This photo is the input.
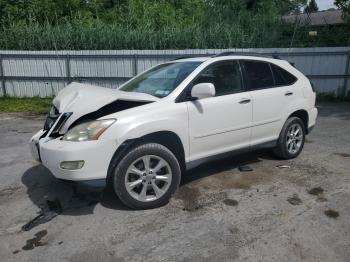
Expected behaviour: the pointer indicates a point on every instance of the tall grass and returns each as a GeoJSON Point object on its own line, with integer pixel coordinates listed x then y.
{"type": "Point", "coordinates": [248, 32]}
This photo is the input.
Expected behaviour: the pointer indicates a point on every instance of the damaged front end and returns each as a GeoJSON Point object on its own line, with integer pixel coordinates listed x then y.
{"type": "Point", "coordinates": [80, 103]}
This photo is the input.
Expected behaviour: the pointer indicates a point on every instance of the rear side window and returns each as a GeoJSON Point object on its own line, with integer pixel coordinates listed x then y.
{"type": "Point", "coordinates": [258, 74]}
{"type": "Point", "coordinates": [282, 77]}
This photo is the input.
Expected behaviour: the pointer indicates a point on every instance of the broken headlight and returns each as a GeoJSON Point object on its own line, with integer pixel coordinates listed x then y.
{"type": "Point", "coordinates": [91, 130]}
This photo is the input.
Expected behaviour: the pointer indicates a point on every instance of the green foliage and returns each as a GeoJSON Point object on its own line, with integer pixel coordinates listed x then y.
{"type": "Point", "coordinates": [32, 104]}
{"type": "Point", "coordinates": [311, 7]}
{"type": "Point", "coordinates": [155, 24]}
{"type": "Point", "coordinates": [344, 5]}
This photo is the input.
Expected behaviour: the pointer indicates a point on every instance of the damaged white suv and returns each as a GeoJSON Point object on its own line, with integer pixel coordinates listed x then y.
{"type": "Point", "coordinates": [142, 136]}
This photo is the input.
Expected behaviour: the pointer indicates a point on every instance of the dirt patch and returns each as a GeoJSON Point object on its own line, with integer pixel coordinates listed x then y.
{"type": "Point", "coordinates": [230, 202]}
{"type": "Point", "coordinates": [36, 241]}
{"type": "Point", "coordinates": [316, 191]}
{"type": "Point", "coordinates": [331, 213]}
{"type": "Point", "coordinates": [294, 200]}
{"type": "Point", "coordinates": [9, 191]}
{"type": "Point", "coordinates": [8, 194]}
{"type": "Point", "coordinates": [342, 154]}
{"type": "Point", "coordinates": [189, 197]}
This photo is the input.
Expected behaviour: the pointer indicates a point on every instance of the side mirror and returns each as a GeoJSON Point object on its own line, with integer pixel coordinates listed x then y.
{"type": "Point", "coordinates": [203, 90]}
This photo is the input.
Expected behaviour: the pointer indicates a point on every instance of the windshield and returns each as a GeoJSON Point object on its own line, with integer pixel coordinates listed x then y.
{"type": "Point", "coordinates": [161, 80]}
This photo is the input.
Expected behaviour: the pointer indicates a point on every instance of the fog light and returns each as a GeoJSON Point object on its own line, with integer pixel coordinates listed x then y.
{"type": "Point", "coordinates": [72, 165]}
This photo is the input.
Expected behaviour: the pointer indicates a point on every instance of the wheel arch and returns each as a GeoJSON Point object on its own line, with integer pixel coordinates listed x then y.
{"type": "Point", "coordinates": [303, 115]}
{"type": "Point", "coordinates": [168, 139]}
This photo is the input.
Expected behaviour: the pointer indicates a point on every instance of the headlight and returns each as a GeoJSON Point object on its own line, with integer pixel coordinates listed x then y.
{"type": "Point", "coordinates": [88, 131]}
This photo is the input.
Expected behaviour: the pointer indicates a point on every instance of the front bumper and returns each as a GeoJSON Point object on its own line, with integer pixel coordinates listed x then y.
{"type": "Point", "coordinates": [95, 154]}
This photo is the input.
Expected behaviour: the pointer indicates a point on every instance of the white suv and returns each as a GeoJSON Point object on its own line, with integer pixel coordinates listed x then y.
{"type": "Point", "coordinates": [143, 136]}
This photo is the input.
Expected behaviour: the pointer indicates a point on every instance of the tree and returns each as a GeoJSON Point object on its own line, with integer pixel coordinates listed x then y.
{"type": "Point", "coordinates": [311, 7]}
{"type": "Point", "coordinates": [344, 5]}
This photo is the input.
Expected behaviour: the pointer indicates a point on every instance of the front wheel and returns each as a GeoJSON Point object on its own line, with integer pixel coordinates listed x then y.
{"type": "Point", "coordinates": [147, 176]}
{"type": "Point", "coordinates": [291, 140]}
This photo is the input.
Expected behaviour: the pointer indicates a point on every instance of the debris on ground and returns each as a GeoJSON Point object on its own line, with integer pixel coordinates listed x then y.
{"type": "Point", "coordinates": [230, 202]}
{"type": "Point", "coordinates": [331, 213]}
{"type": "Point", "coordinates": [35, 241]}
{"type": "Point", "coordinates": [16, 251]}
{"type": "Point", "coordinates": [294, 200]}
{"type": "Point", "coordinates": [245, 168]}
{"type": "Point", "coordinates": [283, 166]}
{"type": "Point", "coordinates": [47, 213]}
{"type": "Point", "coordinates": [316, 191]}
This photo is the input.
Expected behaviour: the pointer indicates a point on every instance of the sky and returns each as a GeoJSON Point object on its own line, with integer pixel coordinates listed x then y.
{"type": "Point", "coordinates": [325, 4]}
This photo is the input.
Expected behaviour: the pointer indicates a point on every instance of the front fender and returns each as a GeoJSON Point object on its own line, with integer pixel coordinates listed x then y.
{"type": "Point", "coordinates": [139, 125]}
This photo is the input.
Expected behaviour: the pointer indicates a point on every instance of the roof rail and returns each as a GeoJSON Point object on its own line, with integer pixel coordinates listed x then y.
{"type": "Point", "coordinates": [275, 56]}
{"type": "Point", "coordinates": [181, 57]}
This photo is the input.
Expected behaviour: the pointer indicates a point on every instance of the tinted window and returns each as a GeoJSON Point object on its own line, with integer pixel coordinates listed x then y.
{"type": "Point", "coordinates": [258, 74]}
{"type": "Point", "coordinates": [282, 77]}
{"type": "Point", "coordinates": [225, 76]}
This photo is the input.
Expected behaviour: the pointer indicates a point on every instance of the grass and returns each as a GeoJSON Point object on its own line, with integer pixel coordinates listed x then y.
{"type": "Point", "coordinates": [27, 104]}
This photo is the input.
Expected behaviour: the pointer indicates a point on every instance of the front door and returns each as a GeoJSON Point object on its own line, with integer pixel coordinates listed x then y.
{"type": "Point", "coordinates": [222, 123]}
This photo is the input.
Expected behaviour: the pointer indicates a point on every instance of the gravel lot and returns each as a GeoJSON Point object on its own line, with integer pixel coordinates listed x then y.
{"type": "Point", "coordinates": [218, 214]}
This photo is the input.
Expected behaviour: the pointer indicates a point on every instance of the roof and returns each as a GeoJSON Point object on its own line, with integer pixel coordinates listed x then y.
{"type": "Point", "coordinates": [328, 17]}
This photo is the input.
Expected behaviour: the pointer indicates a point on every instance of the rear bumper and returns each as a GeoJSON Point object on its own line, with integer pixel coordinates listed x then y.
{"type": "Point", "coordinates": [95, 154]}
{"type": "Point", "coordinates": [312, 118]}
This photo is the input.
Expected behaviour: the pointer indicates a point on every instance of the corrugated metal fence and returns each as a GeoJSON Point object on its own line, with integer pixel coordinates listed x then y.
{"type": "Point", "coordinates": [44, 73]}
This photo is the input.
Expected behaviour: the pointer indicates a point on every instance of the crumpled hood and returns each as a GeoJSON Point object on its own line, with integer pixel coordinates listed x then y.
{"type": "Point", "coordinates": [82, 99]}
{"type": "Point", "coordinates": [85, 98]}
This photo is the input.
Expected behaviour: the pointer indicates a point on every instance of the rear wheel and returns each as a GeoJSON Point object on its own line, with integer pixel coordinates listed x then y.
{"type": "Point", "coordinates": [291, 139]}
{"type": "Point", "coordinates": [147, 176]}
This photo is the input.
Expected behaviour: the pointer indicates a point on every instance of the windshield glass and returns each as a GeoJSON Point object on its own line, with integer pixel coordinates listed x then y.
{"type": "Point", "coordinates": [161, 80]}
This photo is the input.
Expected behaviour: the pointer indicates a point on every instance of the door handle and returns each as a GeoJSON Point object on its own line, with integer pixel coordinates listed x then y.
{"type": "Point", "coordinates": [288, 93]}
{"type": "Point", "coordinates": [244, 101]}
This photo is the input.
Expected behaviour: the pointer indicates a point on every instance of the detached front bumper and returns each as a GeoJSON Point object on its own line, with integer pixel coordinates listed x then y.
{"type": "Point", "coordinates": [95, 154]}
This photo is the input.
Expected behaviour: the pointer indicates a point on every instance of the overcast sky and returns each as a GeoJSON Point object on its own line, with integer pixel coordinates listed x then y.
{"type": "Point", "coordinates": [325, 4]}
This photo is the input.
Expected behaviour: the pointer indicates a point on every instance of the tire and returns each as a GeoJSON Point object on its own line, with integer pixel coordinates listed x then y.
{"type": "Point", "coordinates": [284, 147]}
{"type": "Point", "coordinates": [160, 176]}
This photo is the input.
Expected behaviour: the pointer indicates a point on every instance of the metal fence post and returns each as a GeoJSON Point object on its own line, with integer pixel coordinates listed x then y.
{"type": "Point", "coordinates": [68, 68]}
{"type": "Point", "coordinates": [346, 74]}
{"type": "Point", "coordinates": [2, 77]}
{"type": "Point", "coordinates": [135, 65]}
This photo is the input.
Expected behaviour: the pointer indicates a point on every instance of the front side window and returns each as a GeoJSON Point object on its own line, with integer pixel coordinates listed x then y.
{"type": "Point", "coordinates": [225, 76]}
{"type": "Point", "coordinates": [161, 80]}
{"type": "Point", "coordinates": [258, 74]}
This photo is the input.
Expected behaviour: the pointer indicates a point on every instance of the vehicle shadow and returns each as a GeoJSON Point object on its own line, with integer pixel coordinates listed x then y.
{"type": "Point", "coordinates": [223, 164]}
{"type": "Point", "coordinates": [74, 200]}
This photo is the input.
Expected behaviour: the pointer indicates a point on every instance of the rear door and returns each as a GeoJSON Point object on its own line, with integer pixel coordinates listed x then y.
{"type": "Point", "coordinates": [221, 123]}
{"type": "Point", "coordinates": [269, 100]}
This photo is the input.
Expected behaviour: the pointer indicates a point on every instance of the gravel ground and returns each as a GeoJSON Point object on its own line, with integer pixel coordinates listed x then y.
{"type": "Point", "coordinates": [297, 213]}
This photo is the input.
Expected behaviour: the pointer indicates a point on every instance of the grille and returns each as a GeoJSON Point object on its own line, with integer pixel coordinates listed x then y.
{"type": "Point", "coordinates": [53, 118]}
